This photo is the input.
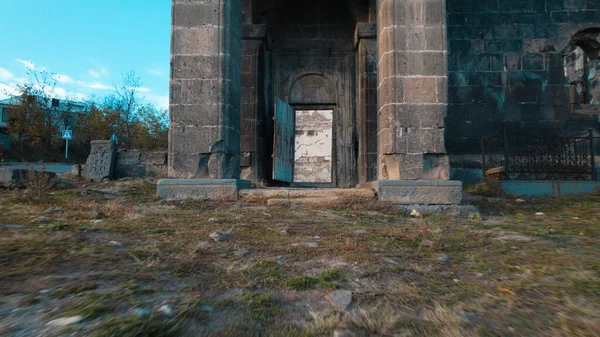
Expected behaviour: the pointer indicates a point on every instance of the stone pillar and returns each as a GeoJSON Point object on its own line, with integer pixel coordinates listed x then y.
{"type": "Point", "coordinates": [254, 105]}
{"type": "Point", "coordinates": [204, 139]}
{"type": "Point", "coordinates": [366, 48]}
{"type": "Point", "coordinates": [412, 93]}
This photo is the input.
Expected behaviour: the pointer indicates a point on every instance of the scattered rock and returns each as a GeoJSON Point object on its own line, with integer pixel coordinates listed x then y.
{"type": "Point", "coordinates": [54, 210]}
{"type": "Point", "coordinates": [221, 236]}
{"type": "Point", "coordinates": [520, 201]}
{"type": "Point", "coordinates": [479, 275]}
{"type": "Point", "coordinates": [306, 244]}
{"type": "Point", "coordinates": [390, 261]}
{"type": "Point", "coordinates": [11, 226]}
{"type": "Point", "coordinates": [284, 232]}
{"type": "Point", "coordinates": [445, 258]}
{"type": "Point", "coordinates": [415, 213]}
{"type": "Point", "coordinates": [240, 217]}
{"type": "Point", "coordinates": [470, 318]}
{"type": "Point", "coordinates": [340, 298]}
{"type": "Point", "coordinates": [64, 321]}
{"type": "Point", "coordinates": [427, 243]}
{"type": "Point", "coordinates": [141, 312]}
{"type": "Point", "coordinates": [116, 244]}
{"type": "Point", "coordinates": [242, 253]}
{"type": "Point", "coordinates": [343, 333]}
{"type": "Point", "coordinates": [513, 237]}
{"type": "Point", "coordinates": [360, 231]}
{"type": "Point", "coordinates": [166, 310]}
{"type": "Point", "coordinates": [213, 220]}
{"type": "Point", "coordinates": [42, 219]}
{"type": "Point", "coordinates": [207, 308]}
{"type": "Point", "coordinates": [539, 214]}
{"type": "Point", "coordinates": [280, 259]}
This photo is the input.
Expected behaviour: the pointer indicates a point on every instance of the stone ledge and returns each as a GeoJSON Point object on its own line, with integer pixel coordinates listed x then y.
{"type": "Point", "coordinates": [452, 210]}
{"type": "Point", "coordinates": [201, 189]}
{"type": "Point", "coordinates": [419, 192]}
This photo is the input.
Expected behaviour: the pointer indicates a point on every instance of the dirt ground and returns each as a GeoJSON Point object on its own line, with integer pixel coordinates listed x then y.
{"type": "Point", "coordinates": [113, 260]}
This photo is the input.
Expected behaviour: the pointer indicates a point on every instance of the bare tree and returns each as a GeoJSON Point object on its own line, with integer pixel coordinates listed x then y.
{"type": "Point", "coordinates": [127, 102]}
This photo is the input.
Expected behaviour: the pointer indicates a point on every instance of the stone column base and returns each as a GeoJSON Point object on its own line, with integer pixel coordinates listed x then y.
{"type": "Point", "coordinates": [419, 192]}
{"type": "Point", "coordinates": [201, 189]}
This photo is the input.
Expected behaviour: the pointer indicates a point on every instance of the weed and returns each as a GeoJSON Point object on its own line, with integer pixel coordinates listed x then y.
{"type": "Point", "coordinates": [31, 300]}
{"type": "Point", "coordinates": [136, 327]}
{"type": "Point", "coordinates": [158, 230]}
{"type": "Point", "coordinates": [332, 275]}
{"type": "Point", "coordinates": [132, 288]}
{"type": "Point", "coordinates": [261, 307]}
{"type": "Point", "coordinates": [301, 283]}
{"type": "Point", "coordinates": [93, 305]}
{"type": "Point", "coordinates": [38, 183]}
{"type": "Point", "coordinates": [263, 272]}
{"type": "Point", "coordinates": [55, 227]}
{"type": "Point", "coordinates": [488, 188]}
{"type": "Point", "coordinates": [73, 290]}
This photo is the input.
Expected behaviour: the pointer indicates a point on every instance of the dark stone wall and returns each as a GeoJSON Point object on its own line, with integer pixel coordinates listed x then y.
{"type": "Point", "coordinates": [506, 66]}
{"type": "Point", "coordinates": [311, 49]}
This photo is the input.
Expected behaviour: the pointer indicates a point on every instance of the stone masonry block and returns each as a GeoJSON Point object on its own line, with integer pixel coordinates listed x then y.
{"type": "Point", "coordinates": [420, 90]}
{"type": "Point", "coordinates": [201, 189]}
{"type": "Point", "coordinates": [420, 192]}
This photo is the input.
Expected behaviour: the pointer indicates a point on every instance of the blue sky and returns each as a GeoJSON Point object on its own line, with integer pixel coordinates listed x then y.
{"type": "Point", "coordinates": [87, 44]}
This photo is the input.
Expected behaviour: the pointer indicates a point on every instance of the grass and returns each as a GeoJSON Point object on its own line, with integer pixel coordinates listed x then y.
{"type": "Point", "coordinates": [94, 305]}
{"type": "Point", "coordinates": [509, 272]}
{"type": "Point", "coordinates": [260, 306]}
{"type": "Point", "coordinates": [136, 327]}
{"type": "Point", "coordinates": [73, 290]}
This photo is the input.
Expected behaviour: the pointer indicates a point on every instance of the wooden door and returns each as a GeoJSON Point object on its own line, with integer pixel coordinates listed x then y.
{"type": "Point", "coordinates": [283, 148]}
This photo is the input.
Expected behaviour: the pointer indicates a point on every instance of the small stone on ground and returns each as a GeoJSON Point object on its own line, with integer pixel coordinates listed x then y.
{"type": "Point", "coordinates": [64, 321]}
{"type": "Point", "coordinates": [166, 310]}
{"type": "Point", "coordinates": [242, 253]}
{"type": "Point", "coordinates": [306, 244]}
{"type": "Point", "coordinates": [54, 210]}
{"type": "Point", "coordinates": [221, 236]}
{"type": "Point", "coordinates": [340, 298]}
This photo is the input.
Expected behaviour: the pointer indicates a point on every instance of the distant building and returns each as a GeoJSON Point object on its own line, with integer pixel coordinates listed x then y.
{"type": "Point", "coordinates": [66, 108]}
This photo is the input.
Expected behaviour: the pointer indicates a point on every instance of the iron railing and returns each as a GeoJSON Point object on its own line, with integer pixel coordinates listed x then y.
{"type": "Point", "coordinates": [540, 155]}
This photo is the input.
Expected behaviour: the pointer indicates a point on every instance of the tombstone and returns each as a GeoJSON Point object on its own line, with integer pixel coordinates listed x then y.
{"type": "Point", "coordinates": [102, 161]}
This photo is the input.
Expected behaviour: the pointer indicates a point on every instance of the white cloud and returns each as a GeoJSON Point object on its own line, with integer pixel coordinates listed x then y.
{"type": "Point", "coordinates": [59, 93]}
{"type": "Point", "coordinates": [94, 73]}
{"type": "Point", "coordinates": [94, 85]}
{"type": "Point", "coordinates": [81, 97]}
{"type": "Point", "coordinates": [7, 90]}
{"type": "Point", "coordinates": [161, 102]}
{"type": "Point", "coordinates": [27, 64]}
{"type": "Point", "coordinates": [100, 68]}
{"type": "Point", "coordinates": [5, 75]}
{"type": "Point", "coordinates": [64, 79]}
{"type": "Point", "coordinates": [142, 89]}
{"type": "Point", "coordinates": [156, 72]}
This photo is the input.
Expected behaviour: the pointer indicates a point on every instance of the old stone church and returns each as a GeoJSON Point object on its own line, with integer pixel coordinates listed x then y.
{"type": "Point", "coordinates": [343, 93]}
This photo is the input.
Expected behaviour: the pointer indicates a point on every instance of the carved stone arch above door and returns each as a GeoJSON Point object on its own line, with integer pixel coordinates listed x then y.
{"type": "Point", "coordinates": [312, 89]}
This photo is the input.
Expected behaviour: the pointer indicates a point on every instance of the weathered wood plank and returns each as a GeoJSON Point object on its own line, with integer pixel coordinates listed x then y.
{"type": "Point", "coordinates": [283, 152]}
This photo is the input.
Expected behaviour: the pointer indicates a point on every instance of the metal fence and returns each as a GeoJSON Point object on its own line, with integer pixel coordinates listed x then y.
{"type": "Point", "coordinates": [540, 155]}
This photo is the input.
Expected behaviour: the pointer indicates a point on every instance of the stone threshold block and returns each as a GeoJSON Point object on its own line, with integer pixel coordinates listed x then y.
{"type": "Point", "coordinates": [201, 189]}
{"type": "Point", "coordinates": [462, 211]}
{"type": "Point", "coordinates": [419, 192]}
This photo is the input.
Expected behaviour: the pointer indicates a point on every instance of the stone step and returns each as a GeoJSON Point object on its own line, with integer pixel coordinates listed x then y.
{"type": "Point", "coordinates": [287, 193]}
{"type": "Point", "coordinates": [303, 201]}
